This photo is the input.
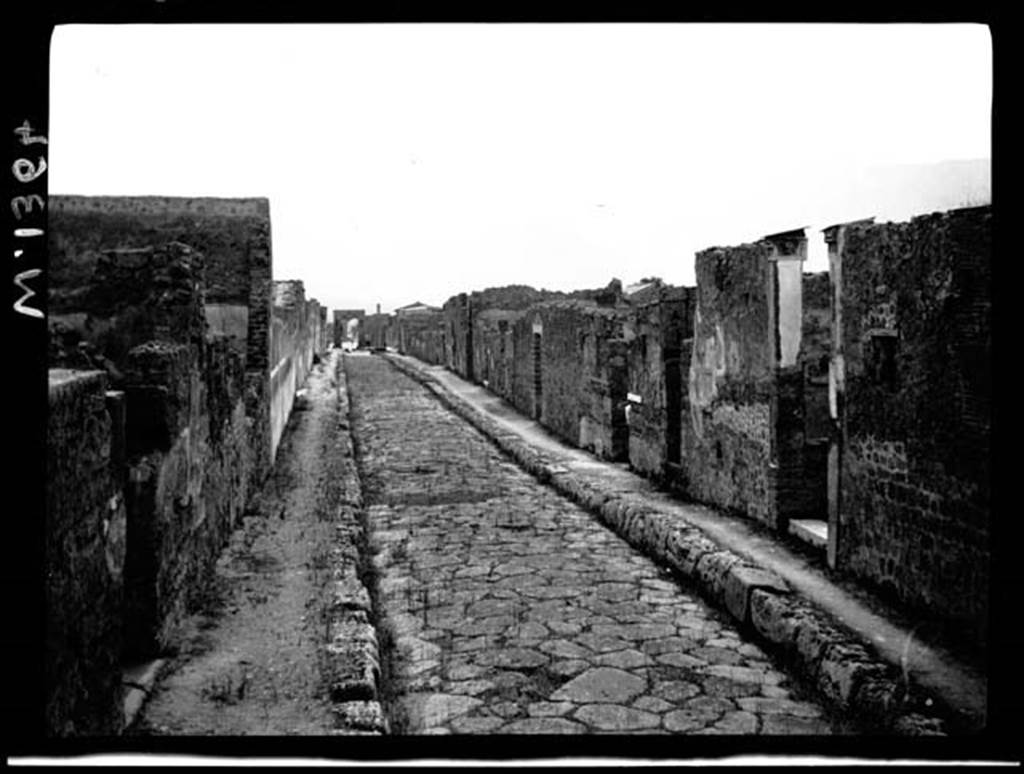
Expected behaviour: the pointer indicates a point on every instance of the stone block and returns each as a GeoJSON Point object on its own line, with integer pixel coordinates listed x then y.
{"type": "Point", "coordinates": [349, 594]}
{"type": "Point", "coordinates": [843, 666]}
{"type": "Point", "coordinates": [711, 572]}
{"type": "Point", "coordinates": [740, 580]}
{"type": "Point", "coordinates": [915, 724]}
{"type": "Point", "coordinates": [659, 529]}
{"type": "Point", "coordinates": [812, 636]}
{"type": "Point", "coordinates": [351, 668]}
{"type": "Point", "coordinates": [685, 549]}
{"type": "Point", "coordinates": [879, 694]}
{"type": "Point", "coordinates": [365, 716]}
{"type": "Point", "coordinates": [609, 512]}
{"type": "Point", "coordinates": [774, 617]}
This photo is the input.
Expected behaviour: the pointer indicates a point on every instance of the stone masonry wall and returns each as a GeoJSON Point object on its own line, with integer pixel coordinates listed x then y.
{"type": "Point", "coordinates": [85, 554]}
{"type": "Point", "coordinates": [492, 349]}
{"type": "Point", "coordinates": [657, 378]}
{"type": "Point", "coordinates": [151, 488]}
{"type": "Point", "coordinates": [294, 343]}
{"type": "Point", "coordinates": [583, 373]}
{"type": "Point", "coordinates": [373, 331]}
{"type": "Point", "coordinates": [422, 336]}
{"type": "Point", "coordinates": [728, 444]}
{"type": "Point", "coordinates": [81, 227]}
{"type": "Point", "coordinates": [189, 461]}
{"type": "Point", "coordinates": [458, 335]}
{"type": "Point", "coordinates": [232, 234]}
{"type": "Point", "coordinates": [915, 486]}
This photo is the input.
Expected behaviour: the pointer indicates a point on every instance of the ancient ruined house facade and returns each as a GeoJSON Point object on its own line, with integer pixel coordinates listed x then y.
{"type": "Point", "coordinates": [570, 373]}
{"type": "Point", "coordinates": [788, 397]}
{"type": "Point", "coordinates": [162, 342]}
{"type": "Point", "coordinates": [660, 336]}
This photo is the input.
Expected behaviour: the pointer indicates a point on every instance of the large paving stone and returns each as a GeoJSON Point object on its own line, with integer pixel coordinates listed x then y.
{"type": "Point", "coordinates": [682, 721]}
{"type": "Point", "coordinates": [623, 659]}
{"type": "Point", "coordinates": [603, 684]}
{"type": "Point", "coordinates": [641, 631]}
{"type": "Point", "coordinates": [615, 717]}
{"type": "Point", "coordinates": [513, 658]}
{"type": "Point", "coordinates": [471, 725]}
{"type": "Point", "coordinates": [435, 709]}
{"type": "Point", "coordinates": [737, 723]}
{"type": "Point", "coordinates": [544, 726]}
{"type": "Point", "coordinates": [766, 706]}
{"type": "Point", "coordinates": [564, 649]}
{"type": "Point", "coordinates": [676, 691]}
{"type": "Point", "coordinates": [547, 709]}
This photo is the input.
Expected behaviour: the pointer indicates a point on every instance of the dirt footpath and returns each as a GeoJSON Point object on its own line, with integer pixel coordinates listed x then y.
{"type": "Point", "coordinates": [250, 664]}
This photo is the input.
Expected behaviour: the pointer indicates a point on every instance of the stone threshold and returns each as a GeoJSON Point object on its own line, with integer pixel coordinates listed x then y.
{"type": "Point", "coordinates": [813, 532]}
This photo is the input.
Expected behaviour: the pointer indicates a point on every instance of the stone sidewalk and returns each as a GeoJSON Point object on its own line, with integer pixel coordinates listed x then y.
{"type": "Point", "coordinates": [859, 661]}
{"type": "Point", "coordinates": [504, 607]}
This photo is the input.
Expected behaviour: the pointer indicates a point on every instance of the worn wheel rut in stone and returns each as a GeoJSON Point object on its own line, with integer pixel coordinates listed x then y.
{"type": "Point", "coordinates": [509, 609]}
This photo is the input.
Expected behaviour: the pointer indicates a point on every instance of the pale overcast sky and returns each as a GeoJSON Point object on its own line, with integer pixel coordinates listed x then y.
{"type": "Point", "coordinates": [412, 162]}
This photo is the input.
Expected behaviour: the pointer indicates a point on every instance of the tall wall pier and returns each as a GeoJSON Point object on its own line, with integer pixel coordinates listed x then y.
{"type": "Point", "coordinates": [913, 387]}
{"type": "Point", "coordinates": [160, 427]}
{"type": "Point", "coordinates": [856, 399]}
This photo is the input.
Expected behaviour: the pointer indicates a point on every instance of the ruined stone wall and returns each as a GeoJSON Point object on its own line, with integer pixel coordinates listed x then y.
{"type": "Point", "coordinates": [915, 391]}
{"type": "Point", "coordinates": [492, 349]}
{"type": "Point", "coordinates": [422, 336]}
{"type": "Point", "coordinates": [296, 340]}
{"type": "Point", "coordinates": [84, 555]}
{"type": "Point", "coordinates": [323, 331]}
{"type": "Point", "coordinates": [583, 373]}
{"type": "Point", "coordinates": [657, 379]}
{"type": "Point", "coordinates": [458, 335]}
{"type": "Point", "coordinates": [189, 457]}
{"type": "Point", "coordinates": [374, 331]}
{"type": "Point", "coordinates": [233, 235]}
{"type": "Point", "coordinates": [728, 443]}
{"type": "Point", "coordinates": [522, 376]}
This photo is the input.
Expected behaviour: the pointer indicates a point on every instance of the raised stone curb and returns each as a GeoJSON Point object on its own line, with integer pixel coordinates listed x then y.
{"type": "Point", "coordinates": [847, 674]}
{"type": "Point", "coordinates": [351, 663]}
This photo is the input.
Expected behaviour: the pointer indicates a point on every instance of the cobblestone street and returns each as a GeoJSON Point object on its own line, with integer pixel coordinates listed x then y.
{"type": "Point", "coordinates": [505, 608]}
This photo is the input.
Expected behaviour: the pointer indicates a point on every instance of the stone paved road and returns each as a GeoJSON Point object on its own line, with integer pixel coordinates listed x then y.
{"type": "Point", "coordinates": [508, 609]}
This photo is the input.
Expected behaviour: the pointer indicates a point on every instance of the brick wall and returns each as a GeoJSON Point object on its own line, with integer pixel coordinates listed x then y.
{"type": "Point", "coordinates": [84, 554]}
{"type": "Point", "coordinates": [916, 398]}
